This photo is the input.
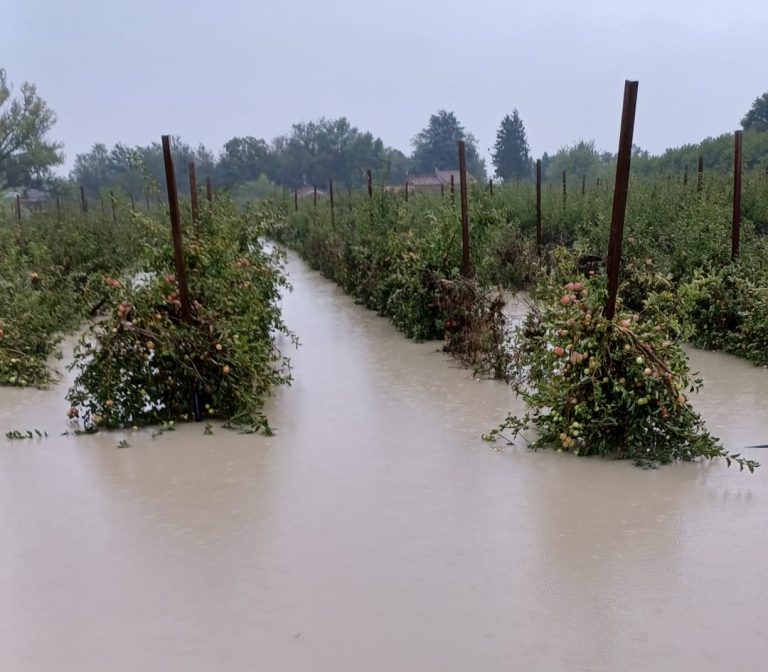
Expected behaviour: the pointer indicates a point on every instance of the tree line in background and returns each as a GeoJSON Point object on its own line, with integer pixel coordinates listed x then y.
{"type": "Point", "coordinates": [315, 151]}
{"type": "Point", "coordinates": [26, 156]}
{"type": "Point", "coordinates": [310, 154]}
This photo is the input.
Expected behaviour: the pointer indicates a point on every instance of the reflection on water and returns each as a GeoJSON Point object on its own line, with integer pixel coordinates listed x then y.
{"type": "Point", "coordinates": [375, 531]}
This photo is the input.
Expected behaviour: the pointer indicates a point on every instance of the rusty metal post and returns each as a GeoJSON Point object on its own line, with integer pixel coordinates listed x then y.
{"type": "Point", "coordinates": [349, 190]}
{"type": "Point", "coordinates": [737, 163]}
{"type": "Point", "coordinates": [583, 185]}
{"type": "Point", "coordinates": [442, 189]}
{"type": "Point", "coordinates": [700, 174]}
{"type": "Point", "coordinates": [490, 186]}
{"type": "Point", "coordinates": [19, 232]}
{"type": "Point", "coordinates": [193, 195]}
{"type": "Point", "coordinates": [295, 200]}
{"type": "Point", "coordinates": [538, 208]}
{"type": "Point", "coordinates": [565, 192]}
{"type": "Point", "coordinates": [620, 191]}
{"type": "Point", "coordinates": [114, 207]}
{"type": "Point", "coordinates": [330, 195]}
{"type": "Point", "coordinates": [369, 175]}
{"type": "Point", "coordinates": [83, 202]}
{"type": "Point", "coordinates": [453, 188]}
{"type": "Point", "coordinates": [178, 245]}
{"type": "Point", "coordinates": [314, 187]}
{"type": "Point", "coordinates": [465, 267]}
{"type": "Point", "coordinates": [209, 194]}
{"type": "Point", "coordinates": [406, 191]}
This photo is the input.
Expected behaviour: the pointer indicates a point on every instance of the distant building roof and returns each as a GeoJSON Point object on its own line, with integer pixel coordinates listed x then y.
{"type": "Point", "coordinates": [445, 176]}
{"type": "Point", "coordinates": [438, 178]}
{"type": "Point", "coordinates": [37, 195]}
{"type": "Point", "coordinates": [424, 180]}
{"type": "Point", "coordinates": [308, 190]}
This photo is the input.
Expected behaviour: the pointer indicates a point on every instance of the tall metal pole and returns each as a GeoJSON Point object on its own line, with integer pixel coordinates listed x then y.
{"type": "Point", "coordinates": [330, 194]}
{"type": "Point", "coordinates": [178, 245]}
{"type": "Point", "coordinates": [538, 208]}
{"type": "Point", "coordinates": [465, 268]}
{"type": "Point", "coordinates": [193, 194]}
{"type": "Point", "coordinates": [565, 191]}
{"type": "Point", "coordinates": [737, 163]}
{"type": "Point", "coordinates": [700, 174]}
{"type": "Point", "coordinates": [620, 192]}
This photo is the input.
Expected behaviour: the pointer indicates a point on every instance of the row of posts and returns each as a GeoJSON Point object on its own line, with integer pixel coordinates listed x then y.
{"type": "Point", "coordinates": [83, 200]}
{"type": "Point", "coordinates": [620, 194]}
{"type": "Point", "coordinates": [408, 188]}
{"type": "Point", "coordinates": [621, 189]}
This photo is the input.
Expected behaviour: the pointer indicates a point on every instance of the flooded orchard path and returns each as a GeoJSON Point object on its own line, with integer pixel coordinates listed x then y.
{"type": "Point", "coordinates": [376, 532]}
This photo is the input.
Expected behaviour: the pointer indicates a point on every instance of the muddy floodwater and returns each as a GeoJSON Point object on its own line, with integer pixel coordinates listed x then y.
{"type": "Point", "coordinates": [376, 531]}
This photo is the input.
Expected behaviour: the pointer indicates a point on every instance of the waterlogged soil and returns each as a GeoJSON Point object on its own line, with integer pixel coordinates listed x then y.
{"type": "Point", "coordinates": [375, 531]}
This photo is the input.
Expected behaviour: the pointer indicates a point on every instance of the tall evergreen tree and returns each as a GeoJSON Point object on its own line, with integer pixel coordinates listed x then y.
{"type": "Point", "coordinates": [26, 154]}
{"type": "Point", "coordinates": [757, 117]}
{"type": "Point", "coordinates": [511, 154]}
{"type": "Point", "coordinates": [436, 146]}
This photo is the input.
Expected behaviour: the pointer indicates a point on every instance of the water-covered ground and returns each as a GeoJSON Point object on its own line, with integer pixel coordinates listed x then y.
{"type": "Point", "coordinates": [376, 531]}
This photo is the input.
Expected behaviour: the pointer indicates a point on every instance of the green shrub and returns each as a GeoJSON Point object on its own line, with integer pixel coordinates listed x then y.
{"type": "Point", "coordinates": [616, 388]}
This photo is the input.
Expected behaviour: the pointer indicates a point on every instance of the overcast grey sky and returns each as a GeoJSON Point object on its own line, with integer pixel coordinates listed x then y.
{"type": "Point", "coordinates": [129, 71]}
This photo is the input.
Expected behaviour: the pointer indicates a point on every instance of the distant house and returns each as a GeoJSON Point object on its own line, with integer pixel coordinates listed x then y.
{"type": "Point", "coordinates": [308, 191]}
{"type": "Point", "coordinates": [35, 199]}
{"type": "Point", "coordinates": [30, 199]}
{"type": "Point", "coordinates": [436, 182]}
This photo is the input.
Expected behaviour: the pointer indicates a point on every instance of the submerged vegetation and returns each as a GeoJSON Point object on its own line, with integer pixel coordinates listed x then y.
{"type": "Point", "coordinates": [612, 387]}
{"type": "Point", "coordinates": [157, 350]}
{"type": "Point", "coordinates": [49, 269]}
{"type": "Point", "coordinates": [143, 363]}
{"type": "Point", "coordinates": [139, 362]}
{"type": "Point", "coordinates": [618, 388]}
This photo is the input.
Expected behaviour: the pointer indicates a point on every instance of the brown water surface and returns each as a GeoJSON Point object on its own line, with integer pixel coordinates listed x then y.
{"type": "Point", "coordinates": [376, 531]}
